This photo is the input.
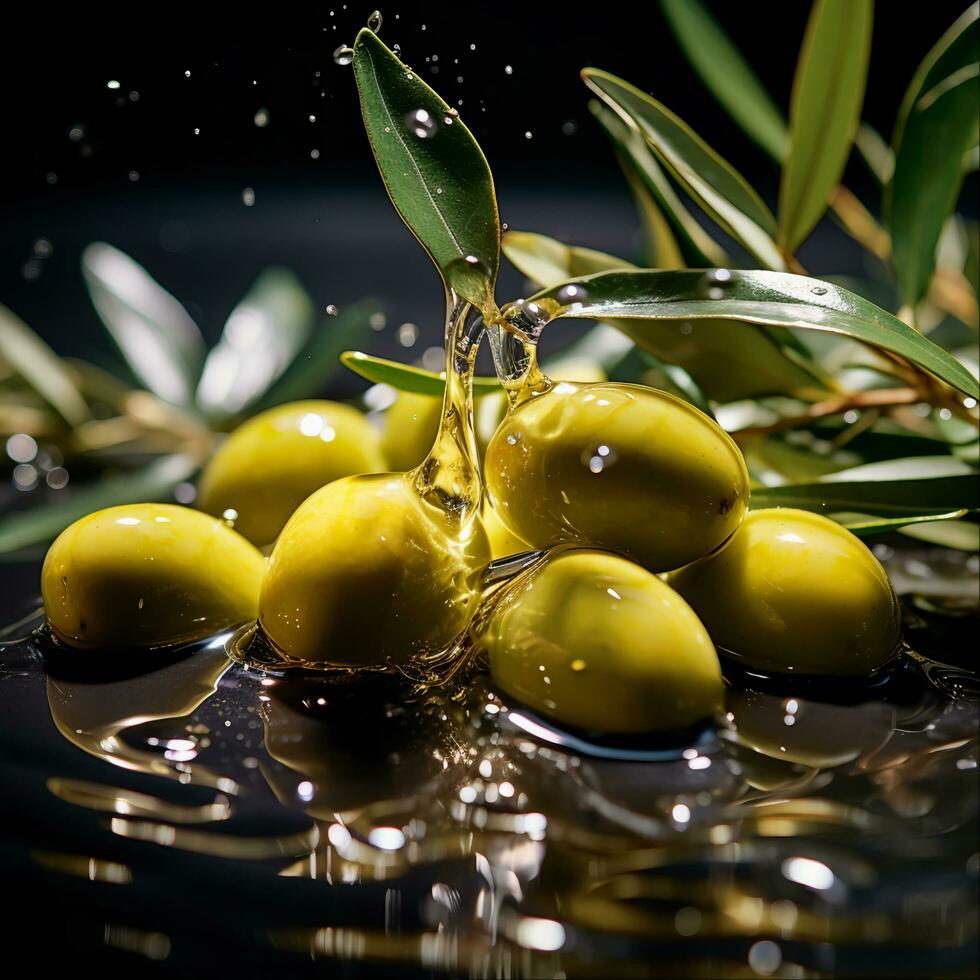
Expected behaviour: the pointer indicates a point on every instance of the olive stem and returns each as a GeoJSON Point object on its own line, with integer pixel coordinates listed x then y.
{"type": "Point", "coordinates": [878, 398]}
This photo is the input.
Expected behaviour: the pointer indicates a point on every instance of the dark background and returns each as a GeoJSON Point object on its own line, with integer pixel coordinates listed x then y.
{"type": "Point", "coordinates": [82, 162]}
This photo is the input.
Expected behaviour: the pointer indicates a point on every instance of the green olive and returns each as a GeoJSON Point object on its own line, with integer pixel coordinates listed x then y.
{"type": "Point", "coordinates": [411, 423]}
{"type": "Point", "coordinates": [503, 541]}
{"type": "Point", "coordinates": [617, 466]}
{"type": "Point", "coordinates": [367, 572]}
{"type": "Point", "coordinates": [795, 592]}
{"type": "Point", "coordinates": [592, 640]}
{"type": "Point", "coordinates": [271, 464]}
{"type": "Point", "coordinates": [148, 575]}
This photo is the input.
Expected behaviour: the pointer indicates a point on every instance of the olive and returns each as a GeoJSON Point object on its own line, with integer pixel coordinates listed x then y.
{"type": "Point", "coordinates": [617, 466]}
{"type": "Point", "coordinates": [148, 575]}
{"type": "Point", "coordinates": [367, 572]}
{"type": "Point", "coordinates": [503, 541]}
{"type": "Point", "coordinates": [795, 592]}
{"type": "Point", "coordinates": [271, 464]}
{"type": "Point", "coordinates": [591, 640]}
{"type": "Point", "coordinates": [411, 424]}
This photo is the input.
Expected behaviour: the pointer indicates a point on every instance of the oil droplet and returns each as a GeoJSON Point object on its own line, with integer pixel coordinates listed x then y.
{"type": "Point", "coordinates": [229, 516]}
{"type": "Point", "coordinates": [571, 294]}
{"type": "Point", "coordinates": [408, 334]}
{"type": "Point", "coordinates": [330, 310]}
{"type": "Point", "coordinates": [112, 83]}
{"type": "Point", "coordinates": [421, 124]}
{"type": "Point", "coordinates": [578, 665]}
{"type": "Point", "coordinates": [248, 197]}
{"type": "Point", "coordinates": [262, 118]}
{"type": "Point", "coordinates": [819, 291]}
{"type": "Point", "coordinates": [374, 21]}
{"type": "Point", "coordinates": [344, 55]}
{"type": "Point", "coordinates": [448, 120]}
{"type": "Point", "coordinates": [508, 70]}
{"type": "Point", "coordinates": [599, 458]}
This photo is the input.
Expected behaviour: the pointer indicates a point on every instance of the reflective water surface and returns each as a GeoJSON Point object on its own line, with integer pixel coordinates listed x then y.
{"type": "Point", "coordinates": [181, 813]}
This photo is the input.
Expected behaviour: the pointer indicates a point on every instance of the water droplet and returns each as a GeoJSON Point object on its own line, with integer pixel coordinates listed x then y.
{"type": "Point", "coordinates": [374, 21]}
{"type": "Point", "coordinates": [408, 334]}
{"type": "Point", "coordinates": [421, 124]}
{"type": "Point", "coordinates": [720, 277]}
{"type": "Point", "coordinates": [378, 321]}
{"type": "Point", "coordinates": [112, 83]}
{"type": "Point", "coordinates": [569, 127]}
{"type": "Point", "coordinates": [513, 439]}
{"type": "Point", "coordinates": [43, 248]}
{"type": "Point", "coordinates": [315, 154]}
{"type": "Point", "coordinates": [819, 291]}
{"type": "Point", "coordinates": [229, 516]}
{"type": "Point", "coordinates": [528, 134]}
{"type": "Point", "coordinates": [438, 190]}
{"type": "Point", "coordinates": [330, 310]}
{"type": "Point", "coordinates": [448, 120]}
{"type": "Point", "coordinates": [261, 118]}
{"type": "Point", "coordinates": [76, 133]}
{"type": "Point", "coordinates": [572, 295]}
{"type": "Point", "coordinates": [187, 73]}
{"type": "Point", "coordinates": [134, 175]}
{"type": "Point", "coordinates": [508, 70]}
{"type": "Point", "coordinates": [344, 55]}
{"type": "Point", "coordinates": [248, 197]}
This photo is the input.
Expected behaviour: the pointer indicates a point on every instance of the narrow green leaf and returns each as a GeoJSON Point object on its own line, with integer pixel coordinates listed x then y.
{"type": "Point", "coordinates": [713, 183]}
{"type": "Point", "coordinates": [727, 75]}
{"type": "Point", "coordinates": [824, 112]}
{"type": "Point", "coordinates": [43, 523]}
{"type": "Point", "coordinates": [319, 361]}
{"type": "Point", "coordinates": [159, 340]}
{"type": "Point", "coordinates": [740, 361]}
{"type": "Point", "coordinates": [937, 124]}
{"type": "Point", "coordinates": [654, 193]}
{"type": "Point", "coordinates": [260, 339]}
{"type": "Point", "coordinates": [406, 377]}
{"type": "Point", "coordinates": [547, 262]}
{"type": "Point", "coordinates": [433, 168]}
{"type": "Point", "coordinates": [775, 299]}
{"type": "Point", "coordinates": [27, 354]}
{"type": "Point", "coordinates": [866, 525]}
{"type": "Point", "coordinates": [962, 535]}
{"type": "Point", "coordinates": [875, 152]}
{"type": "Point", "coordinates": [878, 498]}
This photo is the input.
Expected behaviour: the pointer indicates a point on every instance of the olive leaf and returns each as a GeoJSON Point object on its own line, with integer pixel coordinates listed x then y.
{"type": "Point", "coordinates": [406, 377]}
{"type": "Point", "coordinates": [259, 341]}
{"type": "Point", "coordinates": [866, 525]}
{"type": "Point", "coordinates": [713, 183]}
{"type": "Point", "coordinates": [824, 112]}
{"type": "Point", "coordinates": [875, 152]}
{"type": "Point", "coordinates": [27, 354]}
{"type": "Point", "coordinates": [775, 299]}
{"type": "Point", "coordinates": [937, 124]}
{"type": "Point", "coordinates": [740, 360]}
{"type": "Point", "coordinates": [684, 239]}
{"type": "Point", "coordinates": [317, 363]}
{"type": "Point", "coordinates": [727, 74]}
{"type": "Point", "coordinates": [962, 535]}
{"type": "Point", "coordinates": [159, 340]}
{"type": "Point", "coordinates": [44, 522]}
{"type": "Point", "coordinates": [433, 168]}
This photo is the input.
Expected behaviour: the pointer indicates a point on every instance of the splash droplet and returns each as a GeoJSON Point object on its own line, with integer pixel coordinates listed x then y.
{"type": "Point", "coordinates": [344, 55]}
{"type": "Point", "coordinates": [261, 118]}
{"type": "Point", "coordinates": [374, 21]}
{"type": "Point", "coordinates": [819, 291]}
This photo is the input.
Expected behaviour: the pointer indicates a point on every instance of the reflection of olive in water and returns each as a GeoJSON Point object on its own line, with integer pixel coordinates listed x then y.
{"type": "Point", "coordinates": [271, 464]}
{"type": "Point", "coordinates": [366, 571]}
{"type": "Point", "coordinates": [811, 733]}
{"type": "Point", "coordinates": [94, 715]}
{"type": "Point", "coordinates": [617, 466]}
{"type": "Point", "coordinates": [592, 640]}
{"type": "Point", "coordinates": [147, 575]}
{"type": "Point", "coordinates": [309, 728]}
{"type": "Point", "coordinates": [795, 592]}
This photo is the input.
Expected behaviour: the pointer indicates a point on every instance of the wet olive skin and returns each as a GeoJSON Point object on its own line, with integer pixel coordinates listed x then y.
{"type": "Point", "coordinates": [617, 466]}
{"type": "Point", "coordinates": [793, 592]}
{"type": "Point", "coordinates": [503, 542]}
{"type": "Point", "coordinates": [269, 465]}
{"type": "Point", "coordinates": [148, 575]}
{"type": "Point", "coordinates": [366, 572]}
{"type": "Point", "coordinates": [592, 640]}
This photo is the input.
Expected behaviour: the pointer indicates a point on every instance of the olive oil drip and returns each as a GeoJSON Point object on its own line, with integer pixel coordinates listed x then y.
{"type": "Point", "coordinates": [449, 477]}
{"type": "Point", "coordinates": [513, 337]}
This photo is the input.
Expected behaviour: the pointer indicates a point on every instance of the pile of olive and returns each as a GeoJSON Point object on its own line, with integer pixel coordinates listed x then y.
{"type": "Point", "coordinates": [614, 484]}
